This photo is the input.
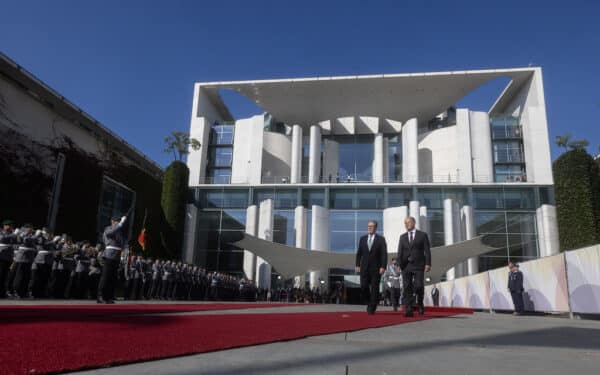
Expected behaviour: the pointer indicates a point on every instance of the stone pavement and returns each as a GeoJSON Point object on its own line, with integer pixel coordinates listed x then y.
{"type": "Point", "coordinates": [466, 344]}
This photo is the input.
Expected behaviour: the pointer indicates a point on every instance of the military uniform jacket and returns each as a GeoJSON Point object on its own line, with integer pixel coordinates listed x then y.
{"type": "Point", "coordinates": [114, 240]}
{"type": "Point", "coordinates": [26, 252]}
{"type": "Point", "coordinates": [393, 276]}
{"type": "Point", "coordinates": [7, 241]}
{"type": "Point", "coordinates": [515, 282]}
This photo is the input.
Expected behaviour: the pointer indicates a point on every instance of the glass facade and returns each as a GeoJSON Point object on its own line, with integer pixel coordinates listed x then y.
{"type": "Point", "coordinates": [506, 215]}
{"type": "Point", "coordinates": [220, 153]}
{"type": "Point", "coordinates": [115, 200]}
{"type": "Point", "coordinates": [507, 145]}
{"type": "Point", "coordinates": [355, 157]}
{"type": "Point", "coordinates": [394, 153]}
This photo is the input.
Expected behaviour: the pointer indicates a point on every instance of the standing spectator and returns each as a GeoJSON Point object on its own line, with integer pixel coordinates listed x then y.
{"type": "Point", "coordinates": [515, 287]}
{"type": "Point", "coordinates": [8, 239]}
{"type": "Point", "coordinates": [435, 295]}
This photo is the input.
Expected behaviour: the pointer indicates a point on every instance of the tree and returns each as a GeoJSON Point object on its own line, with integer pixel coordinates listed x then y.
{"type": "Point", "coordinates": [179, 144]}
{"type": "Point", "coordinates": [579, 144]}
{"type": "Point", "coordinates": [563, 141]}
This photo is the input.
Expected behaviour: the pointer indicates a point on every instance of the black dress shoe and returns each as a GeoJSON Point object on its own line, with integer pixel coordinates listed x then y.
{"type": "Point", "coordinates": [110, 302]}
{"type": "Point", "coordinates": [421, 310]}
{"type": "Point", "coordinates": [100, 300]}
{"type": "Point", "coordinates": [408, 313]}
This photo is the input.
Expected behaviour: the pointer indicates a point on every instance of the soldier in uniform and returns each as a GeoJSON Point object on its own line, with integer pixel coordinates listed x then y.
{"type": "Point", "coordinates": [8, 239]}
{"type": "Point", "coordinates": [24, 259]}
{"type": "Point", "coordinates": [393, 279]}
{"type": "Point", "coordinates": [114, 240]}
{"type": "Point", "coordinates": [156, 279]}
{"type": "Point", "coordinates": [95, 271]}
{"type": "Point", "coordinates": [82, 270]}
{"type": "Point", "coordinates": [42, 265]}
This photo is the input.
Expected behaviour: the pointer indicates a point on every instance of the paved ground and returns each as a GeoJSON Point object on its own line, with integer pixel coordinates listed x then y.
{"type": "Point", "coordinates": [467, 344]}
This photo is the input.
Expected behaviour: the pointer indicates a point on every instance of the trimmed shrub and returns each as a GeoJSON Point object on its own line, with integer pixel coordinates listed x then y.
{"type": "Point", "coordinates": [173, 201]}
{"type": "Point", "coordinates": [577, 192]}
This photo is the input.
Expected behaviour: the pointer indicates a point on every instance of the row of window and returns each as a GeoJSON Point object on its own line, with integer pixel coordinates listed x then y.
{"type": "Point", "coordinates": [371, 198]}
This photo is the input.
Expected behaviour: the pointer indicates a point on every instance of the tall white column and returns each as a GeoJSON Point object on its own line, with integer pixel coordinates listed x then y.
{"type": "Point", "coordinates": [413, 210]}
{"type": "Point", "coordinates": [386, 162]}
{"type": "Point", "coordinates": [265, 231]}
{"type": "Point", "coordinates": [393, 226]}
{"type": "Point", "coordinates": [378, 162]}
{"type": "Point", "coordinates": [251, 228]}
{"type": "Point", "coordinates": [410, 151]}
{"type": "Point", "coordinates": [550, 230]}
{"type": "Point", "coordinates": [450, 233]}
{"type": "Point", "coordinates": [314, 158]}
{"type": "Point", "coordinates": [463, 137]}
{"type": "Point", "coordinates": [481, 147]}
{"type": "Point", "coordinates": [468, 229]}
{"type": "Point", "coordinates": [296, 162]}
{"type": "Point", "coordinates": [424, 221]}
{"type": "Point", "coordinates": [319, 241]}
{"type": "Point", "coordinates": [300, 230]}
{"type": "Point", "coordinates": [539, 220]}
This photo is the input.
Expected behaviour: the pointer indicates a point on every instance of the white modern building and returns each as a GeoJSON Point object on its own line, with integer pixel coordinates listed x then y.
{"type": "Point", "coordinates": [331, 153]}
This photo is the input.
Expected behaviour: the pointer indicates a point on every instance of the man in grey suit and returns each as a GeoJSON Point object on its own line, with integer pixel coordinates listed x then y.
{"type": "Point", "coordinates": [415, 259]}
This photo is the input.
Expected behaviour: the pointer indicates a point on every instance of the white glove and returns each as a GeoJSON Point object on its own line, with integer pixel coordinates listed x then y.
{"type": "Point", "coordinates": [123, 219]}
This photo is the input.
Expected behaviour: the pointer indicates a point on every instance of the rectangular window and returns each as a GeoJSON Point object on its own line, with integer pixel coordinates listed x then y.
{"type": "Point", "coordinates": [341, 198]}
{"type": "Point", "coordinates": [281, 198]}
{"type": "Point", "coordinates": [399, 197]}
{"type": "Point", "coordinates": [221, 156]}
{"type": "Point", "coordinates": [519, 198]}
{"type": "Point", "coordinates": [312, 197]}
{"type": "Point", "coordinates": [488, 198]}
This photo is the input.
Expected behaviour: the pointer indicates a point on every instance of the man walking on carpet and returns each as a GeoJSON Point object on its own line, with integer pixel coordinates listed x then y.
{"type": "Point", "coordinates": [371, 261]}
{"type": "Point", "coordinates": [415, 259]}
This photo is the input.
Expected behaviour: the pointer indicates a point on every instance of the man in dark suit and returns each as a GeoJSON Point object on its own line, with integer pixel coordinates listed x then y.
{"type": "Point", "coordinates": [415, 260]}
{"type": "Point", "coordinates": [371, 261]}
{"type": "Point", "coordinates": [515, 287]}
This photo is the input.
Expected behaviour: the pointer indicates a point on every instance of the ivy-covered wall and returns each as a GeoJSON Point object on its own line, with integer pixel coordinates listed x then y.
{"type": "Point", "coordinates": [27, 170]}
{"type": "Point", "coordinates": [577, 193]}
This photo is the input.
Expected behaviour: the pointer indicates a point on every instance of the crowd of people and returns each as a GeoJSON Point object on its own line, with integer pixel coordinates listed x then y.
{"type": "Point", "coordinates": [38, 264]}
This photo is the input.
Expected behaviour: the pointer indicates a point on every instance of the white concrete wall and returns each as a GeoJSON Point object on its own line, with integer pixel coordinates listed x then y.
{"type": "Point", "coordinates": [530, 105]}
{"type": "Point", "coordinates": [319, 241]}
{"type": "Point", "coordinates": [393, 226]}
{"type": "Point", "coordinates": [296, 155]}
{"type": "Point", "coordinates": [424, 220]}
{"type": "Point", "coordinates": [410, 152]}
{"type": "Point", "coordinates": [463, 139]}
{"type": "Point", "coordinates": [547, 226]}
{"type": "Point", "coordinates": [204, 114]}
{"type": "Point", "coordinates": [438, 155]}
{"type": "Point", "coordinates": [251, 228]}
{"type": "Point", "coordinates": [277, 158]}
{"type": "Point", "coordinates": [481, 147]}
{"type": "Point", "coordinates": [301, 235]}
{"type": "Point", "coordinates": [248, 151]}
{"type": "Point", "coordinates": [378, 159]}
{"type": "Point", "coordinates": [265, 232]}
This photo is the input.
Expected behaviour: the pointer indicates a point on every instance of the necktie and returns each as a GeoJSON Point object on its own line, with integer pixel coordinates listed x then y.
{"type": "Point", "coordinates": [410, 236]}
{"type": "Point", "coordinates": [370, 242]}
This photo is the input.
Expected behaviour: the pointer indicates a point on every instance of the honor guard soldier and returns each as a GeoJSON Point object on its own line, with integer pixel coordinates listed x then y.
{"type": "Point", "coordinates": [24, 259]}
{"type": "Point", "coordinates": [114, 240]}
{"type": "Point", "coordinates": [42, 265]}
{"type": "Point", "coordinates": [8, 239]}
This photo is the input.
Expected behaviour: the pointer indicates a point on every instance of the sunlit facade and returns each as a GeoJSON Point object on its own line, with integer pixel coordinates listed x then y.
{"type": "Point", "coordinates": [330, 154]}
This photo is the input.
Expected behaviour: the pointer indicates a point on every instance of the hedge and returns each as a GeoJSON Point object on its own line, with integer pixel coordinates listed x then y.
{"type": "Point", "coordinates": [577, 193]}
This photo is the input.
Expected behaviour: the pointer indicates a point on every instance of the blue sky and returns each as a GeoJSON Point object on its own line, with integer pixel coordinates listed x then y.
{"type": "Point", "coordinates": [132, 64]}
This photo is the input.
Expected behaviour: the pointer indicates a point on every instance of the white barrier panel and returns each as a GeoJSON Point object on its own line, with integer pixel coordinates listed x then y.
{"type": "Point", "coordinates": [499, 296]}
{"type": "Point", "coordinates": [446, 293]}
{"type": "Point", "coordinates": [427, 300]}
{"type": "Point", "coordinates": [460, 293]}
{"type": "Point", "coordinates": [545, 284]}
{"type": "Point", "coordinates": [478, 288]}
{"type": "Point", "coordinates": [583, 271]}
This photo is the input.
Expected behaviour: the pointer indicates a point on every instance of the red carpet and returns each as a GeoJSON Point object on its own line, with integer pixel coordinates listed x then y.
{"type": "Point", "coordinates": [66, 312]}
{"type": "Point", "coordinates": [63, 345]}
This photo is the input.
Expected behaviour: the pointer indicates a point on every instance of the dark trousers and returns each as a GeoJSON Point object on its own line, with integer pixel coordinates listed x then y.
{"type": "Point", "coordinates": [94, 281]}
{"type": "Point", "coordinates": [369, 289]}
{"type": "Point", "coordinates": [108, 280]}
{"type": "Point", "coordinates": [395, 296]}
{"type": "Point", "coordinates": [39, 280]}
{"type": "Point", "coordinates": [22, 277]}
{"type": "Point", "coordinates": [4, 271]}
{"type": "Point", "coordinates": [81, 285]}
{"type": "Point", "coordinates": [414, 284]}
{"type": "Point", "coordinates": [517, 298]}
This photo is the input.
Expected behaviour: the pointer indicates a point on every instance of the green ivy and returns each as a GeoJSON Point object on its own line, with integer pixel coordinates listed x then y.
{"type": "Point", "coordinates": [173, 201]}
{"type": "Point", "coordinates": [577, 193]}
